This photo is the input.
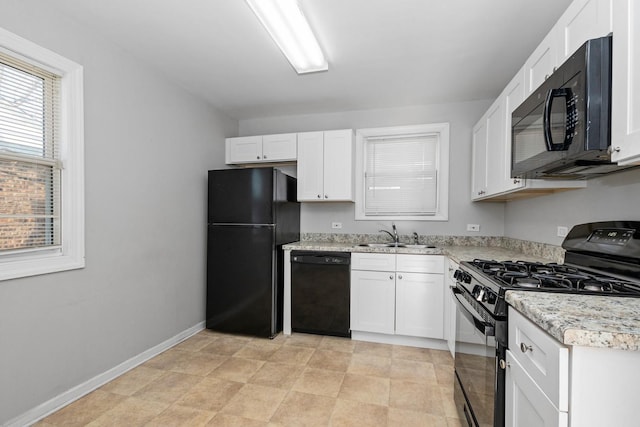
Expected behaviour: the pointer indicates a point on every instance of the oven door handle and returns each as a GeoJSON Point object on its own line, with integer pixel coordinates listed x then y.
{"type": "Point", "coordinates": [486, 328]}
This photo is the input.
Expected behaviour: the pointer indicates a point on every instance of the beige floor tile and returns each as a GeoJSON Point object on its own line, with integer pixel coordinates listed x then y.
{"type": "Point", "coordinates": [320, 382]}
{"type": "Point", "coordinates": [131, 412]}
{"type": "Point", "coordinates": [448, 404]}
{"type": "Point", "coordinates": [167, 360]}
{"type": "Point", "coordinates": [198, 363]}
{"type": "Point", "coordinates": [406, 418]}
{"type": "Point", "coordinates": [168, 388]}
{"type": "Point", "coordinates": [211, 394]}
{"type": "Point", "coordinates": [237, 369]}
{"type": "Point", "coordinates": [357, 414]}
{"type": "Point", "coordinates": [226, 420]}
{"type": "Point", "coordinates": [292, 355]}
{"type": "Point", "coordinates": [132, 381]}
{"type": "Point", "coordinates": [304, 340]}
{"type": "Point", "coordinates": [301, 409]}
{"type": "Point", "coordinates": [85, 409]}
{"type": "Point", "coordinates": [411, 353]}
{"type": "Point", "coordinates": [366, 364]}
{"type": "Point", "coordinates": [416, 396]}
{"type": "Point", "coordinates": [365, 389]}
{"type": "Point", "coordinates": [255, 402]}
{"type": "Point", "coordinates": [277, 375]}
{"type": "Point", "coordinates": [331, 360]}
{"type": "Point", "coordinates": [373, 349]}
{"type": "Point", "coordinates": [455, 422]}
{"type": "Point", "coordinates": [413, 371]}
{"type": "Point", "coordinates": [445, 375]}
{"type": "Point", "coordinates": [441, 357]}
{"type": "Point", "coordinates": [197, 342]}
{"type": "Point", "coordinates": [179, 416]}
{"type": "Point", "coordinates": [345, 345]}
{"type": "Point", "coordinates": [258, 350]}
{"type": "Point", "coordinates": [225, 345]}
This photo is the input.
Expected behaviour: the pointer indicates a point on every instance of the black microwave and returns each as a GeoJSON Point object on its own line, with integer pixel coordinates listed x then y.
{"type": "Point", "coordinates": [563, 129]}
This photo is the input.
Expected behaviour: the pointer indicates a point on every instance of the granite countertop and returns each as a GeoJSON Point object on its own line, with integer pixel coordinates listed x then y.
{"type": "Point", "coordinates": [582, 320]}
{"type": "Point", "coordinates": [585, 320]}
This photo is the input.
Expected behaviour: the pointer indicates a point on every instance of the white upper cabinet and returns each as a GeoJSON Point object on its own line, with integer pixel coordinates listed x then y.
{"type": "Point", "coordinates": [625, 114]}
{"type": "Point", "coordinates": [479, 162]}
{"type": "Point", "coordinates": [583, 20]}
{"type": "Point", "coordinates": [261, 148]}
{"type": "Point", "coordinates": [496, 145]}
{"type": "Point", "coordinates": [325, 166]}
{"type": "Point", "coordinates": [542, 62]}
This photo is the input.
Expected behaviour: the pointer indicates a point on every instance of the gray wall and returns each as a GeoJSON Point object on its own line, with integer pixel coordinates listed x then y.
{"type": "Point", "coordinates": [613, 197]}
{"type": "Point", "coordinates": [317, 217]}
{"type": "Point", "coordinates": [148, 145]}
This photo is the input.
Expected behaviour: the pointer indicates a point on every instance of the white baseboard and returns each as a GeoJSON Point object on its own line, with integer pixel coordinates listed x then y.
{"type": "Point", "coordinates": [39, 412]}
{"type": "Point", "coordinates": [435, 344]}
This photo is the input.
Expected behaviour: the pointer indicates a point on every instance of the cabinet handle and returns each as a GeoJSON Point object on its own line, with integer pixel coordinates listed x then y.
{"type": "Point", "coordinates": [400, 276]}
{"type": "Point", "coordinates": [481, 192]}
{"type": "Point", "coordinates": [516, 181]}
{"type": "Point", "coordinates": [264, 157]}
{"type": "Point", "coordinates": [613, 149]}
{"type": "Point", "coordinates": [555, 69]}
{"type": "Point", "coordinates": [319, 197]}
{"type": "Point", "coordinates": [326, 196]}
{"type": "Point", "coordinates": [504, 365]}
{"type": "Point", "coordinates": [546, 76]}
{"type": "Point", "coordinates": [258, 157]}
{"type": "Point", "coordinates": [391, 277]}
{"type": "Point", "coordinates": [524, 348]}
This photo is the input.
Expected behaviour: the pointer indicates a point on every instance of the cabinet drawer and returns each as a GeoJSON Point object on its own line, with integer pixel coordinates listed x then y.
{"type": "Point", "coordinates": [371, 261]}
{"type": "Point", "coordinates": [542, 357]}
{"type": "Point", "coordinates": [420, 263]}
{"type": "Point", "coordinates": [525, 404]}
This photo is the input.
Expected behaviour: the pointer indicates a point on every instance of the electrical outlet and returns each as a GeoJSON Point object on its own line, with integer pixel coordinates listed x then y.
{"type": "Point", "coordinates": [473, 227]}
{"type": "Point", "coordinates": [562, 231]}
{"type": "Point", "coordinates": [336, 225]}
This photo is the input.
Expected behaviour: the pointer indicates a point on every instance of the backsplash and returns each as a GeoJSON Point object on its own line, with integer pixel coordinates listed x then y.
{"type": "Point", "coordinates": [542, 250]}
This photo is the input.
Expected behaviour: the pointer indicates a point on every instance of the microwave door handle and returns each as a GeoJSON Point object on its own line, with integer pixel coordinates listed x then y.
{"type": "Point", "coordinates": [570, 123]}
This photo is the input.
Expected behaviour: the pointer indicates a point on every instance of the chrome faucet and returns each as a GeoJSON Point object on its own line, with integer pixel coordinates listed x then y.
{"type": "Point", "coordinates": [394, 235]}
{"type": "Point", "coordinates": [416, 241]}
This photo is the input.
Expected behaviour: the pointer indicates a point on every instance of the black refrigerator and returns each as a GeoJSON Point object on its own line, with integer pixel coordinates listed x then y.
{"type": "Point", "coordinates": [251, 214]}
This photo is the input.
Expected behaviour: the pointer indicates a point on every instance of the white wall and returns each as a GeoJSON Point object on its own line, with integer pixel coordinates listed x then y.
{"type": "Point", "coordinates": [612, 197]}
{"type": "Point", "coordinates": [148, 145]}
{"type": "Point", "coordinates": [317, 217]}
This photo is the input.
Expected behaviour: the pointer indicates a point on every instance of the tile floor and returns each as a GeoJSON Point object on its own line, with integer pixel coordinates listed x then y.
{"type": "Point", "coordinates": [213, 379]}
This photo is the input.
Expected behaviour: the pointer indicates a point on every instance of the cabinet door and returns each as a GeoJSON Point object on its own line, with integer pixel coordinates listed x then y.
{"type": "Point", "coordinates": [338, 165]}
{"type": "Point", "coordinates": [420, 305]}
{"type": "Point", "coordinates": [513, 97]}
{"type": "Point", "coordinates": [450, 307]}
{"type": "Point", "coordinates": [525, 404]}
{"type": "Point", "coordinates": [496, 142]}
{"type": "Point", "coordinates": [373, 301]}
{"type": "Point", "coordinates": [583, 20]}
{"type": "Point", "coordinates": [625, 114]}
{"type": "Point", "coordinates": [281, 147]}
{"type": "Point", "coordinates": [243, 149]}
{"type": "Point", "coordinates": [310, 166]}
{"type": "Point", "coordinates": [542, 62]}
{"type": "Point", "coordinates": [479, 160]}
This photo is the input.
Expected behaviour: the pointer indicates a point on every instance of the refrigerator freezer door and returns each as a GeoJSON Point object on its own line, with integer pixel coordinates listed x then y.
{"type": "Point", "coordinates": [242, 291]}
{"type": "Point", "coordinates": [241, 196]}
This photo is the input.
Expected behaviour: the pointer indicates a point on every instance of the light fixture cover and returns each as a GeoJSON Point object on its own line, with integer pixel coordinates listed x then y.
{"type": "Point", "coordinates": [289, 28]}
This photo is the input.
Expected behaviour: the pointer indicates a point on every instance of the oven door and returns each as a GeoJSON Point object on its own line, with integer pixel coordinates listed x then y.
{"type": "Point", "coordinates": [479, 389]}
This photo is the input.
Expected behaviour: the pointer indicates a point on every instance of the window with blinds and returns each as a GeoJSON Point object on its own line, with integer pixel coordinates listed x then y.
{"type": "Point", "coordinates": [401, 175]}
{"type": "Point", "coordinates": [30, 166]}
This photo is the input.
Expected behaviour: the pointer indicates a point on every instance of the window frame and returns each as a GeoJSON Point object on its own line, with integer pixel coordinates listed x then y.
{"type": "Point", "coordinates": [71, 253]}
{"type": "Point", "coordinates": [441, 130]}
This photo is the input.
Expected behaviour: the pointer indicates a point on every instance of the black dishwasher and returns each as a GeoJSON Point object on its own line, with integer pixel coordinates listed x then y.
{"type": "Point", "coordinates": [320, 292]}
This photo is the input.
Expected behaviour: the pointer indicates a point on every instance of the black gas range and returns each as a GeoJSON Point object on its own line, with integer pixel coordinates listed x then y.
{"type": "Point", "coordinates": [601, 258]}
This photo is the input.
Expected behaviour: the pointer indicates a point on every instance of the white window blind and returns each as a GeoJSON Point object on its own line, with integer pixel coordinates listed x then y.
{"type": "Point", "coordinates": [401, 175]}
{"type": "Point", "coordinates": [30, 167]}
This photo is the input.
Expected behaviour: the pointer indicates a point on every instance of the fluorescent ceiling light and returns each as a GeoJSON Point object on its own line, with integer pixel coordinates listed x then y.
{"type": "Point", "coordinates": [288, 27]}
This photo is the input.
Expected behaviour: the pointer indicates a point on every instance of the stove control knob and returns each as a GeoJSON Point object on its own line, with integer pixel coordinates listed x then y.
{"type": "Point", "coordinates": [491, 297]}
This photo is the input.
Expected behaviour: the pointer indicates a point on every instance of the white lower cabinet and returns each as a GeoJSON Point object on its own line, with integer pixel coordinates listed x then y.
{"type": "Point", "coordinates": [388, 300]}
{"type": "Point", "coordinates": [526, 405]}
{"type": "Point", "coordinates": [373, 301]}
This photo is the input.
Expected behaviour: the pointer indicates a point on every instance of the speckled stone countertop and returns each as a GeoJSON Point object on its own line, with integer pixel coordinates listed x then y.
{"type": "Point", "coordinates": [585, 320]}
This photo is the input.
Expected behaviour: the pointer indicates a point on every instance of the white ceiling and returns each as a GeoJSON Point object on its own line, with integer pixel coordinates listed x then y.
{"type": "Point", "coordinates": [381, 53]}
